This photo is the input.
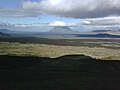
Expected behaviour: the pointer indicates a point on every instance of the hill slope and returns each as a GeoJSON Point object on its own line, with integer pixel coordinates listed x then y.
{"type": "Point", "coordinates": [4, 31]}
{"type": "Point", "coordinates": [3, 34]}
{"type": "Point", "coordinates": [61, 30]}
{"type": "Point", "coordinates": [72, 72]}
{"type": "Point", "coordinates": [100, 35]}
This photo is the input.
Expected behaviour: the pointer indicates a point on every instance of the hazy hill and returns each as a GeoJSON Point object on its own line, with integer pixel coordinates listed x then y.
{"type": "Point", "coordinates": [99, 31]}
{"type": "Point", "coordinates": [100, 35]}
{"type": "Point", "coordinates": [111, 32]}
{"type": "Point", "coordinates": [3, 34]}
{"type": "Point", "coordinates": [5, 31]}
{"type": "Point", "coordinates": [61, 30]}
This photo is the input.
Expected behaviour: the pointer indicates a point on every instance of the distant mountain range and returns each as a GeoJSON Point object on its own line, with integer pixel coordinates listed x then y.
{"type": "Point", "coordinates": [3, 34]}
{"type": "Point", "coordinates": [100, 35]}
{"type": "Point", "coordinates": [64, 30]}
{"type": "Point", "coordinates": [61, 30]}
{"type": "Point", "coordinates": [5, 31]}
{"type": "Point", "coordinates": [101, 30]}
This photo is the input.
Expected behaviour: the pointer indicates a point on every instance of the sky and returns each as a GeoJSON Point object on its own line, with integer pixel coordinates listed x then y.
{"type": "Point", "coordinates": [41, 15]}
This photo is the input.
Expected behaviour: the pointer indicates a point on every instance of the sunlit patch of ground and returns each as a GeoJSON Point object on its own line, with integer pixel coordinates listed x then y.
{"type": "Point", "coordinates": [53, 51]}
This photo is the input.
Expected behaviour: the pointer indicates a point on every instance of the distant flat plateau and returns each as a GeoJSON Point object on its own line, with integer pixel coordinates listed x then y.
{"type": "Point", "coordinates": [107, 49]}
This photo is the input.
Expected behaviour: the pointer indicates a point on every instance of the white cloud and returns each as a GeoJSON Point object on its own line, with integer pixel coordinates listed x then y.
{"type": "Point", "coordinates": [34, 26]}
{"type": "Point", "coordinates": [4, 25]}
{"type": "Point", "coordinates": [112, 23]}
{"type": "Point", "coordinates": [86, 22]}
{"type": "Point", "coordinates": [61, 23]}
{"type": "Point", "coordinates": [75, 8]}
{"type": "Point", "coordinates": [8, 13]}
{"type": "Point", "coordinates": [20, 26]}
{"type": "Point", "coordinates": [65, 8]}
{"type": "Point", "coordinates": [102, 21]}
{"type": "Point", "coordinates": [57, 23]}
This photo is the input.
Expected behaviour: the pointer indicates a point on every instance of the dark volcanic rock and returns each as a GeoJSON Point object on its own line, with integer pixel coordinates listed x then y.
{"type": "Point", "coordinates": [71, 72]}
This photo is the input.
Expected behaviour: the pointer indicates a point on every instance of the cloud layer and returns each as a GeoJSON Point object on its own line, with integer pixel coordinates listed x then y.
{"type": "Point", "coordinates": [65, 8]}
{"type": "Point", "coordinates": [102, 23]}
{"type": "Point", "coordinates": [34, 25]}
{"type": "Point", "coordinates": [61, 23]}
{"type": "Point", "coordinates": [75, 8]}
{"type": "Point", "coordinates": [7, 12]}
